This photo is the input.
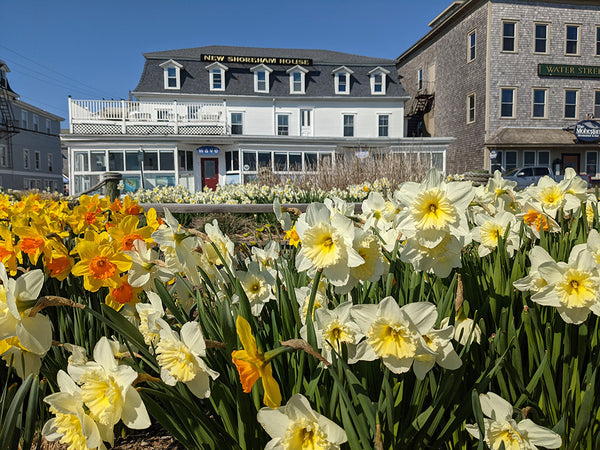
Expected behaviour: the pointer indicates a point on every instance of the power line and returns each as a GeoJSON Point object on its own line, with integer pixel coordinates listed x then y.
{"type": "Point", "coordinates": [35, 102]}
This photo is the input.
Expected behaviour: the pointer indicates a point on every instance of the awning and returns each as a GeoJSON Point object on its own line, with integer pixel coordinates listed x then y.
{"type": "Point", "coordinates": [531, 137]}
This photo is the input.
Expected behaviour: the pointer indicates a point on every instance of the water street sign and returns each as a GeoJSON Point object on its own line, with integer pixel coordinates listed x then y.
{"type": "Point", "coordinates": [208, 150]}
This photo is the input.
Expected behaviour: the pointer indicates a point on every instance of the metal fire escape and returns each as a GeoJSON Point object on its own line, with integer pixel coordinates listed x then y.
{"type": "Point", "coordinates": [422, 104]}
{"type": "Point", "coordinates": [8, 127]}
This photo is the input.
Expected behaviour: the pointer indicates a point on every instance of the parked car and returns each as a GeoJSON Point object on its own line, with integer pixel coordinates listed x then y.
{"type": "Point", "coordinates": [525, 176]}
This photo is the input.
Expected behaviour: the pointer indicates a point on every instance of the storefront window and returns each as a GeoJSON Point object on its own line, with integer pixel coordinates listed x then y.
{"type": "Point", "coordinates": [98, 161]}
{"type": "Point", "coordinates": [81, 162]}
{"type": "Point", "coordinates": [150, 160]}
{"type": "Point", "coordinates": [264, 159]}
{"type": "Point", "coordinates": [115, 161]}
{"type": "Point", "coordinates": [295, 162]}
{"type": "Point", "coordinates": [166, 161]}
{"type": "Point", "coordinates": [249, 161]}
{"type": "Point", "coordinates": [131, 161]}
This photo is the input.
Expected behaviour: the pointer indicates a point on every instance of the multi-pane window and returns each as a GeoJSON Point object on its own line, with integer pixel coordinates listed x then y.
{"type": "Point", "coordinates": [384, 125]}
{"type": "Point", "coordinates": [539, 103]}
{"type": "Point", "coordinates": [172, 77]}
{"type": "Point", "coordinates": [24, 119]}
{"type": "Point", "coordinates": [342, 83]}
{"type": "Point", "coordinates": [471, 108]}
{"type": "Point", "coordinates": [471, 46]}
{"type": "Point", "coordinates": [598, 41]}
{"type": "Point", "coordinates": [236, 123]}
{"type": "Point", "coordinates": [283, 125]}
{"type": "Point", "coordinates": [570, 104]}
{"type": "Point", "coordinates": [216, 79]}
{"type": "Point", "coordinates": [81, 163]}
{"type": "Point", "coordinates": [50, 162]}
{"type": "Point", "coordinates": [115, 161]}
{"type": "Point", "coordinates": [540, 44]}
{"type": "Point", "coordinates": [36, 122]}
{"type": "Point", "coordinates": [186, 160]}
{"type": "Point", "coordinates": [48, 126]}
{"type": "Point", "coordinates": [261, 81]}
{"type": "Point", "coordinates": [572, 39]}
{"type": "Point", "coordinates": [597, 104]}
{"type": "Point", "coordinates": [378, 83]}
{"type": "Point", "coordinates": [591, 163]}
{"type": "Point", "coordinates": [510, 160]}
{"type": "Point", "coordinates": [348, 124]}
{"type": "Point", "coordinates": [507, 102]}
{"type": "Point", "coordinates": [98, 161]}
{"type": "Point", "coordinates": [543, 158]}
{"type": "Point", "coordinates": [26, 163]}
{"type": "Point", "coordinates": [529, 158]}
{"type": "Point", "coordinates": [420, 79]}
{"type": "Point", "coordinates": [509, 36]}
{"type": "Point", "coordinates": [3, 156]}
{"type": "Point", "coordinates": [297, 85]}
{"type": "Point", "coordinates": [37, 160]}
{"type": "Point", "coordinates": [232, 161]}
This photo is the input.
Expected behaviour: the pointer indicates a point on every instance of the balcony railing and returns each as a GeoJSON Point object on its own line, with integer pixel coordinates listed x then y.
{"type": "Point", "coordinates": [144, 118]}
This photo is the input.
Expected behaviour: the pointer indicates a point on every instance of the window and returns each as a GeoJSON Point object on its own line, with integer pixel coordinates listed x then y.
{"type": "Point", "coordinates": [509, 37]}
{"type": "Point", "coordinates": [48, 126]}
{"type": "Point", "coordinates": [150, 160]}
{"type": "Point", "coordinates": [295, 162]}
{"type": "Point", "coordinates": [570, 104]}
{"type": "Point", "coordinates": [172, 74]}
{"type": "Point", "coordinates": [283, 124]}
{"type": "Point", "coordinates": [471, 108]}
{"type": "Point", "coordinates": [378, 80]}
{"type": "Point", "coordinates": [529, 158]}
{"type": "Point", "coordinates": [305, 118]}
{"type": "Point", "coordinates": [216, 76]}
{"type": "Point", "coordinates": [186, 160]}
{"type": "Point", "coordinates": [384, 125]}
{"type": "Point", "coordinates": [3, 156]}
{"type": "Point", "coordinates": [232, 161]}
{"type": "Point", "coordinates": [297, 80]}
{"type": "Point", "coordinates": [249, 161]}
{"type": "Point", "coordinates": [264, 160]}
{"type": "Point", "coordinates": [591, 164]}
{"type": "Point", "coordinates": [280, 160]}
{"type": "Point", "coordinates": [26, 162]}
{"type": "Point", "coordinates": [261, 77]}
{"type": "Point", "coordinates": [510, 160]}
{"type": "Point", "coordinates": [98, 161]}
{"type": "Point", "coordinates": [348, 125]}
{"type": "Point", "coordinates": [236, 123]}
{"type": "Point", "coordinates": [80, 162]}
{"type": "Point", "coordinates": [50, 162]}
{"type": "Point", "coordinates": [115, 161]}
{"type": "Point", "coordinates": [310, 162]}
{"type": "Point", "coordinates": [540, 44]}
{"type": "Point", "coordinates": [37, 160]}
{"type": "Point", "coordinates": [598, 41]}
{"type": "Point", "coordinates": [471, 39]}
{"type": "Point", "coordinates": [507, 102]}
{"type": "Point", "coordinates": [597, 104]}
{"type": "Point", "coordinates": [572, 40]}
{"type": "Point", "coordinates": [420, 79]}
{"type": "Point", "coordinates": [342, 76]}
{"type": "Point", "coordinates": [132, 160]}
{"type": "Point", "coordinates": [167, 161]}
{"type": "Point", "coordinates": [24, 119]}
{"type": "Point", "coordinates": [539, 104]}
{"type": "Point", "coordinates": [36, 122]}
{"type": "Point", "coordinates": [543, 158]}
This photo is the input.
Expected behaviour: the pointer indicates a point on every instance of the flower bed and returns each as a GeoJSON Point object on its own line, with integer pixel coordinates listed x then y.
{"type": "Point", "coordinates": [442, 316]}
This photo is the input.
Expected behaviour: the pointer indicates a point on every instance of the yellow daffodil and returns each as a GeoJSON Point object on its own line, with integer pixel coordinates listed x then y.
{"type": "Point", "coordinates": [252, 365]}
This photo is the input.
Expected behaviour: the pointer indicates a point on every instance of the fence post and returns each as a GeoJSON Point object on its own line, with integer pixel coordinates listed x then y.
{"type": "Point", "coordinates": [112, 180]}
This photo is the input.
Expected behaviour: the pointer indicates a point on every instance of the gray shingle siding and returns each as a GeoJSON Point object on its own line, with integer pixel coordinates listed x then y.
{"type": "Point", "coordinates": [239, 80]}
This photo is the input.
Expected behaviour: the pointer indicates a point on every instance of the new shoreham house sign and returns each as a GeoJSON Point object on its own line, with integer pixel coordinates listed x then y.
{"type": "Point", "coordinates": [588, 131]}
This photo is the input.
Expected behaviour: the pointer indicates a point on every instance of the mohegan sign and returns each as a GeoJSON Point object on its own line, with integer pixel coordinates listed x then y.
{"type": "Point", "coordinates": [587, 131]}
{"type": "Point", "coordinates": [565, 70]}
{"type": "Point", "coordinates": [257, 60]}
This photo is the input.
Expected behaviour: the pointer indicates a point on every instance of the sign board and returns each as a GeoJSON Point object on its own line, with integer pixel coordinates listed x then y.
{"type": "Point", "coordinates": [566, 70]}
{"type": "Point", "coordinates": [362, 153]}
{"type": "Point", "coordinates": [208, 150]}
{"type": "Point", "coordinates": [493, 154]}
{"type": "Point", "coordinates": [256, 60]}
{"type": "Point", "coordinates": [587, 131]}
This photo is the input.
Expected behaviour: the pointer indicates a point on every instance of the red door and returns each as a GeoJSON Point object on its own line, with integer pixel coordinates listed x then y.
{"type": "Point", "coordinates": [570, 160]}
{"type": "Point", "coordinates": [210, 172]}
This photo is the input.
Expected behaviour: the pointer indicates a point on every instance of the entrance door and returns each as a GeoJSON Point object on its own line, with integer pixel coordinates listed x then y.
{"type": "Point", "coordinates": [570, 160]}
{"type": "Point", "coordinates": [306, 122]}
{"type": "Point", "coordinates": [210, 172]}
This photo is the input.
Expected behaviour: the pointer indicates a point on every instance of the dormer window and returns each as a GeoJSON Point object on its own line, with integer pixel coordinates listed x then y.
{"type": "Point", "coordinates": [261, 78]}
{"type": "Point", "coordinates": [378, 80]}
{"type": "Point", "coordinates": [217, 76]}
{"type": "Point", "coordinates": [342, 80]}
{"type": "Point", "coordinates": [172, 74]}
{"type": "Point", "coordinates": [297, 79]}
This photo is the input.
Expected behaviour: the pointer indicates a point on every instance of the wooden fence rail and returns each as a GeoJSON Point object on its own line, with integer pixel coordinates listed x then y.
{"type": "Point", "coordinates": [227, 209]}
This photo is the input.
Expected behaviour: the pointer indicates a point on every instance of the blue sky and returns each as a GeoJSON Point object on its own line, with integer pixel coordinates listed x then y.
{"type": "Point", "coordinates": [93, 49]}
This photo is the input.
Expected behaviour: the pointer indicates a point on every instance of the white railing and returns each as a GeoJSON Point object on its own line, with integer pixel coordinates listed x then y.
{"type": "Point", "coordinates": [126, 113]}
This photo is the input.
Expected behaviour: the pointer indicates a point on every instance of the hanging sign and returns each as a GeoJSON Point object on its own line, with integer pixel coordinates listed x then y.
{"type": "Point", "coordinates": [493, 154]}
{"type": "Point", "coordinates": [587, 131]}
{"type": "Point", "coordinates": [208, 150]}
{"type": "Point", "coordinates": [362, 153]}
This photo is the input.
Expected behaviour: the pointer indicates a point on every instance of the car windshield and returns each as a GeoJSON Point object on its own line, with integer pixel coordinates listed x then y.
{"type": "Point", "coordinates": [510, 173]}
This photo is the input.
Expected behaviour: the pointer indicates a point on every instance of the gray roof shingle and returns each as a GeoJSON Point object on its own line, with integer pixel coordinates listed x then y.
{"type": "Point", "coordinates": [240, 81]}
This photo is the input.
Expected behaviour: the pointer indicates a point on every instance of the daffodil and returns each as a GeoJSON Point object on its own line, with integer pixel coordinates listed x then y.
{"type": "Point", "coordinates": [252, 364]}
{"type": "Point", "coordinates": [439, 259]}
{"type": "Point", "coordinates": [146, 267]}
{"type": "Point", "coordinates": [537, 220]}
{"type": "Point", "coordinates": [258, 284]}
{"type": "Point", "coordinates": [23, 361]}
{"type": "Point", "coordinates": [465, 330]}
{"type": "Point", "coordinates": [303, 297]}
{"type": "Point", "coordinates": [368, 246]}
{"type": "Point", "coordinates": [501, 430]}
{"type": "Point", "coordinates": [490, 230]}
{"type": "Point", "coordinates": [296, 426]}
{"type": "Point", "coordinates": [534, 280]}
{"type": "Point", "coordinates": [393, 333]}
{"type": "Point", "coordinates": [127, 232]}
{"type": "Point", "coordinates": [180, 358]}
{"type": "Point", "coordinates": [149, 316]}
{"type": "Point", "coordinates": [71, 425]}
{"type": "Point", "coordinates": [438, 341]}
{"type": "Point", "coordinates": [550, 194]}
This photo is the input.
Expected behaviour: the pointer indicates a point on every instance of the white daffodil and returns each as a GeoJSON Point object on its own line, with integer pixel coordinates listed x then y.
{"type": "Point", "coordinates": [534, 280]}
{"type": "Point", "coordinates": [490, 229]}
{"type": "Point", "coordinates": [550, 194]}
{"type": "Point", "coordinates": [17, 297]}
{"type": "Point", "coordinates": [22, 360]}
{"type": "Point", "coordinates": [303, 297]}
{"type": "Point", "coordinates": [180, 358]}
{"type": "Point", "coordinates": [334, 328]}
{"type": "Point", "coordinates": [145, 266]}
{"type": "Point", "coordinates": [573, 287]}
{"type": "Point", "coordinates": [71, 425]}
{"type": "Point", "coordinates": [327, 244]}
{"type": "Point", "coordinates": [593, 245]}
{"type": "Point", "coordinates": [536, 219]}
{"type": "Point", "coordinates": [149, 315]}
{"type": "Point", "coordinates": [106, 388]}
{"type": "Point", "coordinates": [266, 256]}
{"type": "Point", "coordinates": [440, 259]}
{"type": "Point", "coordinates": [465, 330]}
{"type": "Point", "coordinates": [445, 356]}
{"type": "Point", "coordinates": [296, 426]}
{"type": "Point", "coordinates": [575, 190]}
{"type": "Point", "coordinates": [498, 187]}
{"type": "Point", "coordinates": [336, 206]}
{"type": "Point", "coordinates": [224, 245]}
{"type": "Point", "coordinates": [258, 284]}
{"type": "Point", "coordinates": [502, 429]}
{"type": "Point", "coordinates": [375, 211]}
{"type": "Point", "coordinates": [393, 334]}
{"type": "Point", "coordinates": [368, 246]}
{"type": "Point", "coordinates": [435, 209]}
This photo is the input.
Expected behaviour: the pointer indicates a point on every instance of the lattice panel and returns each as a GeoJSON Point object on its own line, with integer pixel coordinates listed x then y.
{"type": "Point", "coordinates": [203, 130]}
{"type": "Point", "coordinates": [96, 128]}
{"type": "Point", "coordinates": [150, 129]}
